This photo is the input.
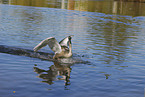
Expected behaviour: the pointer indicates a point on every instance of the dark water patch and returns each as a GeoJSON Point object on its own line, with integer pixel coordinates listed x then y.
{"type": "Point", "coordinates": [25, 52]}
{"type": "Point", "coordinates": [40, 55]}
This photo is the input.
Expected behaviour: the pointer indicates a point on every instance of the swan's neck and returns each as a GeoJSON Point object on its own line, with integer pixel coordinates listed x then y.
{"type": "Point", "coordinates": [70, 47]}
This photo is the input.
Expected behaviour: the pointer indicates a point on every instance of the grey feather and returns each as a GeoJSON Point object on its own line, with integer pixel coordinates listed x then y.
{"type": "Point", "coordinates": [51, 42]}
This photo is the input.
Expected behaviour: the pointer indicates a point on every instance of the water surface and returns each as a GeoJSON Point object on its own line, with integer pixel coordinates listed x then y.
{"type": "Point", "coordinates": [112, 43]}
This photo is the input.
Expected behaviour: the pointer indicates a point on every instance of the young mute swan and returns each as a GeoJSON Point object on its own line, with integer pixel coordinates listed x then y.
{"type": "Point", "coordinates": [61, 49]}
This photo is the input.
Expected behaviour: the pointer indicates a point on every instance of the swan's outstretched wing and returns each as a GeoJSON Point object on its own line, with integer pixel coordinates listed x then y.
{"type": "Point", "coordinates": [64, 42]}
{"type": "Point", "coordinates": [51, 42]}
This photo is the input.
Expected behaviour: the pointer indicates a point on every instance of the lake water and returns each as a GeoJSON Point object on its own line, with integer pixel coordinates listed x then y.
{"type": "Point", "coordinates": [110, 37]}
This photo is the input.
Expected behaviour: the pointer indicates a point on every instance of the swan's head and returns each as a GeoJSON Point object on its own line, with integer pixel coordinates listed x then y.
{"type": "Point", "coordinates": [70, 37]}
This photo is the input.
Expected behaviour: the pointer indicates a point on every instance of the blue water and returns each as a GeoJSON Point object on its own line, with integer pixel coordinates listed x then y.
{"type": "Point", "coordinates": [112, 44]}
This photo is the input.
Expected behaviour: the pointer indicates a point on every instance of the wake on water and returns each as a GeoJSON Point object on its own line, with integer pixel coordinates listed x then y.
{"type": "Point", "coordinates": [40, 55]}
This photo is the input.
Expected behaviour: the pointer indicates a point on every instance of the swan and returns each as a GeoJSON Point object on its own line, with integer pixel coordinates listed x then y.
{"type": "Point", "coordinates": [60, 49]}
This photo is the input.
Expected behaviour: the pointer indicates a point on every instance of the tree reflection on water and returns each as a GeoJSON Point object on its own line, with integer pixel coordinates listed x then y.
{"type": "Point", "coordinates": [122, 7]}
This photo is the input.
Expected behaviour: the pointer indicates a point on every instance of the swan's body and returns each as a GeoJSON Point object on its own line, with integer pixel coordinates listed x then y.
{"type": "Point", "coordinates": [61, 49]}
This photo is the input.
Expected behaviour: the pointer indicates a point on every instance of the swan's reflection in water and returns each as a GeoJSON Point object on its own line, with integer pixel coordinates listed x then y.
{"type": "Point", "coordinates": [58, 71]}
